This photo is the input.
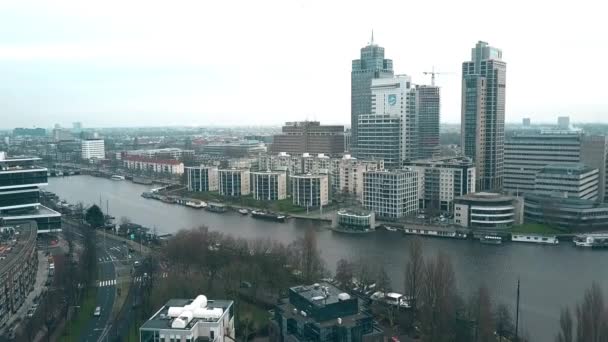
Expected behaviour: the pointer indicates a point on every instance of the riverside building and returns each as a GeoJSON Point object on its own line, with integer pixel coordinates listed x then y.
{"type": "Point", "coordinates": [269, 185]}
{"type": "Point", "coordinates": [234, 182]}
{"type": "Point", "coordinates": [93, 149]}
{"type": "Point", "coordinates": [201, 178]}
{"type": "Point", "coordinates": [488, 212]}
{"type": "Point", "coordinates": [391, 195]}
{"type": "Point", "coordinates": [310, 190]}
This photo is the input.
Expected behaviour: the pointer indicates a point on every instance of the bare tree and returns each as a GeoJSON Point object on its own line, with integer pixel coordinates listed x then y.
{"type": "Point", "coordinates": [414, 271]}
{"type": "Point", "coordinates": [566, 326]}
{"type": "Point", "coordinates": [484, 331]}
{"type": "Point", "coordinates": [344, 273]}
{"type": "Point", "coordinates": [308, 257]}
{"type": "Point", "coordinates": [504, 322]}
{"type": "Point", "coordinates": [591, 317]}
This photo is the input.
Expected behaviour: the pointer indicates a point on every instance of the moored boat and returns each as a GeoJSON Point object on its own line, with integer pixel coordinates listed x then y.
{"type": "Point", "coordinates": [491, 240]}
{"type": "Point", "coordinates": [267, 215]}
{"type": "Point", "coordinates": [117, 178]}
{"type": "Point", "coordinates": [535, 238]}
{"type": "Point", "coordinates": [243, 211]}
{"type": "Point", "coordinates": [597, 240]}
{"type": "Point", "coordinates": [216, 207]}
{"type": "Point", "coordinates": [195, 204]}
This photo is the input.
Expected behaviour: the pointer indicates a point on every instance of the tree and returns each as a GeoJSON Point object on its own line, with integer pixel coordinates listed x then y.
{"type": "Point", "coordinates": [344, 273]}
{"type": "Point", "coordinates": [383, 282]}
{"type": "Point", "coordinates": [504, 322]}
{"type": "Point", "coordinates": [308, 257]}
{"type": "Point", "coordinates": [94, 216]}
{"type": "Point", "coordinates": [414, 271]}
{"type": "Point", "coordinates": [483, 307]}
{"type": "Point", "coordinates": [566, 326]}
{"type": "Point", "coordinates": [592, 317]}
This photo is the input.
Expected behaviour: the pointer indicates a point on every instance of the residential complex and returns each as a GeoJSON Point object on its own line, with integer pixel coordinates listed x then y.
{"type": "Point", "coordinates": [20, 180]}
{"type": "Point", "coordinates": [483, 114]}
{"type": "Point", "coordinates": [321, 312]}
{"type": "Point", "coordinates": [346, 175]}
{"type": "Point", "coordinates": [93, 149]}
{"type": "Point", "coordinates": [568, 181]}
{"type": "Point", "coordinates": [309, 137]}
{"type": "Point", "coordinates": [162, 153]}
{"type": "Point", "coordinates": [310, 190]}
{"type": "Point", "coordinates": [237, 149]}
{"type": "Point", "coordinates": [488, 212]}
{"type": "Point", "coordinates": [18, 267]}
{"type": "Point", "coordinates": [391, 195]}
{"type": "Point", "coordinates": [201, 178]}
{"type": "Point", "coordinates": [151, 165]}
{"type": "Point", "coordinates": [441, 180]}
{"type": "Point", "coordinates": [233, 182]}
{"type": "Point", "coordinates": [198, 319]}
{"type": "Point", "coordinates": [269, 185]}
{"type": "Point", "coordinates": [371, 65]}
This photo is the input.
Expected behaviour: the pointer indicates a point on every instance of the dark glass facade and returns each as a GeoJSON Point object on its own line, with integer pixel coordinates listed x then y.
{"type": "Point", "coordinates": [13, 179]}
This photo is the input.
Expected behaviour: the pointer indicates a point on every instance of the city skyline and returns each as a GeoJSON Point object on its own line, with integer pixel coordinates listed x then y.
{"type": "Point", "coordinates": [68, 62]}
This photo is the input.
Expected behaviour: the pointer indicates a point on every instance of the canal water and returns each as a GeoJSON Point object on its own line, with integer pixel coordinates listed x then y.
{"type": "Point", "coordinates": [552, 277]}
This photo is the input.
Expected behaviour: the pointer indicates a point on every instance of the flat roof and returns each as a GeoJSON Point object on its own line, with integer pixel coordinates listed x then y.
{"type": "Point", "coordinates": [31, 213]}
{"type": "Point", "coordinates": [160, 319]}
{"type": "Point", "coordinates": [314, 293]}
{"type": "Point", "coordinates": [566, 168]}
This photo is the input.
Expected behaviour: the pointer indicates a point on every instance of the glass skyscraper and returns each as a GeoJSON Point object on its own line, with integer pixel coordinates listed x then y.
{"type": "Point", "coordinates": [371, 65]}
{"type": "Point", "coordinates": [483, 114]}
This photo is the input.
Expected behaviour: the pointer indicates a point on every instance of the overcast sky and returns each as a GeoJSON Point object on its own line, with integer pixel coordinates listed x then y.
{"type": "Point", "coordinates": [130, 63]}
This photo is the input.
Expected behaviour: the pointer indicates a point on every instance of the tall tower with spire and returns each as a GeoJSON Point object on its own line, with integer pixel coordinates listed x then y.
{"type": "Point", "coordinates": [369, 66]}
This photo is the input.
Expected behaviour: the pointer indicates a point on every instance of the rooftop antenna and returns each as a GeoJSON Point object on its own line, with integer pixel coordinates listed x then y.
{"type": "Point", "coordinates": [372, 41]}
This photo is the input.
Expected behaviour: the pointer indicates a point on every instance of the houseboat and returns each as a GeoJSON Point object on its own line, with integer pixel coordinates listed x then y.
{"type": "Point", "coordinates": [117, 178]}
{"type": "Point", "coordinates": [597, 240]}
{"type": "Point", "coordinates": [436, 232]}
{"type": "Point", "coordinates": [534, 238]}
{"type": "Point", "coordinates": [243, 211]}
{"type": "Point", "coordinates": [267, 215]}
{"type": "Point", "coordinates": [491, 240]}
{"type": "Point", "coordinates": [195, 204]}
{"type": "Point", "coordinates": [216, 207]}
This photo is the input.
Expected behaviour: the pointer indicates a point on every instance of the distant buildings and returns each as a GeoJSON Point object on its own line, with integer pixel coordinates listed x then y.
{"type": "Point", "coordinates": [269, 185]}
{"type": "Point", "coordinates": [31, 132]}
{"type": "Point", "coordinates": [483, 114]}
{"type": "Point", "coordinates": [20, 181]}
{"type": "Point", "coordinates": [162, 153]}
{"type": "Point", "coordinates": [199, 319]}
{"type": "Point", "coordinates": [568, 181]}
{"type": "Point", "coordinates": [391, 194]}
{"type": "Point", "coordinates": [309, 137]}
{"type": "Point", "coordinates": [310, 190]}
{"type": "Point", "coordinates": [525, 122]}
{"type": "Point", "coordinates": [239, 149]}
{"type": "Point", "coordinates": [234, 182]}
{"type": "Point", "coordinates": [151, 165]}
{"type": "Point", "coordinates": [321, 312]}
{"type": "Point", "coordinates": [371, 65]}
{"type": "Point", "coordinates": [441, 180]}
{"type": "Point", "coordinates": [488, 212]}
{"type": "Point", "coordinates": [93, 149]}
{"type": "Point", "coordinates": [18, 267]}
{"type": "Point", "coordinates": [201, 178]}
{"type": "Point", "coordinates": [563, 122]}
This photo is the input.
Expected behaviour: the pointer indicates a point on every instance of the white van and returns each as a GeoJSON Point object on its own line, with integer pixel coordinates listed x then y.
{"type": "Point", "coordinates": [97, 311]}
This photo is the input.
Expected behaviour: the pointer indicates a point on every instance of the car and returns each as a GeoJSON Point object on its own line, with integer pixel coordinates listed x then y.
{"type": "Point", "coordinates": [31, 312]}
{"type": "Point", "coordinates": [97, 312]}
{"type": "Point", "coordinates": [136, 263]}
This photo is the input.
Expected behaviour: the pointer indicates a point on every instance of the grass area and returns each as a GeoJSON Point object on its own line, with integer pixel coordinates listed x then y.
{"type": "Point", "coordinates": [79, 322]}
{"type": "Point", "coordinates": [537, 228]}
{"type": "Point", "coordinates": [284, 205]}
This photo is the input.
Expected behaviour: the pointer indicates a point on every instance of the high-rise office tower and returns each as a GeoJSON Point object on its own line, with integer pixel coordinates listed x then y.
{"type": "Point", "coordinates": [483, 114]}
{"type": "Point", "coordinates": [389, 133]}
{"type": "Point", "coordinates": [371, 65]}
{"type": "Point", "coordinates": [428, 108]}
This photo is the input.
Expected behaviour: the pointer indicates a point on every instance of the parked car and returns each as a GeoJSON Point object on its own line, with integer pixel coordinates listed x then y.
{"type": "Point", "coordinates": [97, 312]}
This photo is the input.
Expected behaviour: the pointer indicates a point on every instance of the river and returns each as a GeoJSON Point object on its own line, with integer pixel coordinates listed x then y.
{"type": "Point", "coordinates": [552, 277]}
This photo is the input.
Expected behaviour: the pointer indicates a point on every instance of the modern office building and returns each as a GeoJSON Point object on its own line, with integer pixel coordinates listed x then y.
{"type": "Point", "coordinates": [237, 149]}
{"type": "Point", "coordinates": [346, 175]}
{"type": "Point", "coordinates": [153, 165]}
{"type": "Point", "coordinates": [191, 320]}
{"type": "Point", "coordinates": [568, 181]}
{"type": "Point", "coordinates": [310, 190]}
{"type": "Point", "coordinates": [20, 180]}
{"type": "Point", "coordinates": [269, 185]}
{"type": "Point", "coordinates": [488, 212]}
{"type": "Point", "coordinates": [563, 122]}
{"type": "Point", "coordinates": [347, 140]}
{"type": "Point", "coordinates": [162, 153]}
{"type": "Point", "coordinates": [390, 131]}
{"type": "Point", "coordinates": [18, 266]}
{"type": "Point", "coordinates": [525, 122]}
{"type": "Point", "coordinates": [234, 182]}
{"type": "Point", "coordinates": [201, 178]}
{"type": "Point", "coordinates": [371, 65]}
{"type": "Point", "coordinates": [527, 153]}
{"type": "Point", "coordinates": [391, 195]}
{"type": "Point", "coordinates": [93, 149]}
{"type": "Point", "coordinates": [322, 312]}
{"type": "Point", "coordinates": [594, 154]}
{"type": "Point", "coordinates": [571, 214]}
{"type": "Point", "coordinates": [483, 114]}
{"type": "Point", "coordinates": [428, 107]}
{"type": "Point", "coordinates": [309, 137]}
{"type": "Point", "coordinates": [441, 180]}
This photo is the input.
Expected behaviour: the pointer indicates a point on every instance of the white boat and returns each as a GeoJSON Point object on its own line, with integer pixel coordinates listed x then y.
{"type": "Point", "coordinates": [243, 211]}
{"type": "Point", "coordinates": [534, 238]}
{"type": "Point", "coordinates": [598, 240]}
{"type": "Point", "coordinates": [491, 240]}
{"type": "Point", "coordinates": [390, 229]}
{"type": "Point", "coordinates": [196, 204]}
{"type": "Point", "coordinates": [435, 232]}
{"type": "Point", "coordinates": [117, 178]}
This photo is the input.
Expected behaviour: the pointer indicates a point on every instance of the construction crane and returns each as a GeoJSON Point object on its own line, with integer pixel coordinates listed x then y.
{"type": "Point", "coordinates": [433, 73]}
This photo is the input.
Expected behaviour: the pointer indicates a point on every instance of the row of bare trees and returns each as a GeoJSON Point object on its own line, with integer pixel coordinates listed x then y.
{"type": "Point", "coordinates": [589, 322]}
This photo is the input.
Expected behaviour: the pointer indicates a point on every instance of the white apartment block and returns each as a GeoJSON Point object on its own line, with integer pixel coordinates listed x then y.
{"type": "Point", "coordinates": [202, 178]}
{"type": "Point", "coordinates": [391, 195]}
{"type": "Point", "coordinates": [234, 182]}
{"type": "Point", "coordinates": [142, 164]}
{"type": "Point", "coordinates": [93, 149]}
{"type": "Point", "coordinates": [346, 176]}
{"type": "Point", "coordinates": [308, 190]}
{"type": "Point", "coordinates": [269, 185]}
{"type": "Point", "coordinates": [441, 180]}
